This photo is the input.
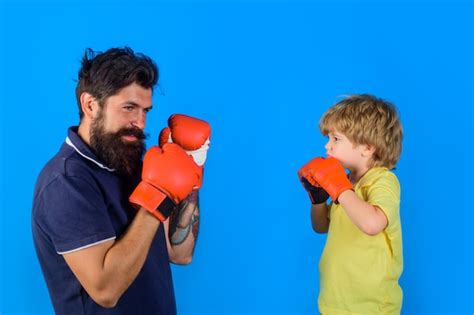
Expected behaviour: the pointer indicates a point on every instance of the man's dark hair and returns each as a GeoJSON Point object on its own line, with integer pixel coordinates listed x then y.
{"type": "Point", "coordinates": [104, 74]}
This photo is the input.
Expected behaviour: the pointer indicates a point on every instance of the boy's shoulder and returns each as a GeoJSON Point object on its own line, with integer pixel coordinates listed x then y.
{"type": "Point", "coordinates": [379, 176]}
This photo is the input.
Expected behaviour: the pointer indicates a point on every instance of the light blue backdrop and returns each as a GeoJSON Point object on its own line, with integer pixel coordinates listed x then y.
{"type": "Point", "coordinates": [261, 73]}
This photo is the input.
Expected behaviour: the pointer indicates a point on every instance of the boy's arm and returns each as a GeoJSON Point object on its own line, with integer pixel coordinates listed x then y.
{"type": "Point", "coordinates": [331, 176]}
{"type": "Point", "coordinates": [318, 197]}
{"type": "Point", "coordinates": [319, 217]}
{"type": "Point", "coordinates": [369, 219]}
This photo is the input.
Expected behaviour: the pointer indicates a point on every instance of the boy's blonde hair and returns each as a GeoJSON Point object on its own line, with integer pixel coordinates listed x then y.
{"type": "Point", "coordinates": [367, 120]}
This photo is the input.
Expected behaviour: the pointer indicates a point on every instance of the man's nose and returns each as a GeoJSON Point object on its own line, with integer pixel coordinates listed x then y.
{"type": "Point", "coordinates": [140, 120]}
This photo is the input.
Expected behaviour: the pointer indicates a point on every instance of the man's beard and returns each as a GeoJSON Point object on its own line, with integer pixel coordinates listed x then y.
{"type": "Point", "coordinates": [123, 156]}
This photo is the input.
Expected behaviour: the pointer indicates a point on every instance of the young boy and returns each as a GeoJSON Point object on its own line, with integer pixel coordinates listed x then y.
{"type": "Point", "coordinates": [362, 260]}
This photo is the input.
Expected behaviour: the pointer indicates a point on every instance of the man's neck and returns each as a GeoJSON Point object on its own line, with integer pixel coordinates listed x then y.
{"type": "Point", "coordinates": [83, 132]}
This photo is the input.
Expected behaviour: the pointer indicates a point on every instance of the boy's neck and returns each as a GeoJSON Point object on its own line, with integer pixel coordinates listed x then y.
{"type": "Point", "coordinates": [356, 174]}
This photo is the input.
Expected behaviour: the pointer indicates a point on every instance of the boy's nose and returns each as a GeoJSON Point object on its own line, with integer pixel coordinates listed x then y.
{"type": "Point", "coordinates": [327, 146]}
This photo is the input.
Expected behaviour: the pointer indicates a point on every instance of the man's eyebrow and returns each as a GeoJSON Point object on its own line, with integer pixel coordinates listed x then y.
{"type": "Point", "coordinates": [130, 103]}
{"type": "Point", "coordinates": [137, 105]}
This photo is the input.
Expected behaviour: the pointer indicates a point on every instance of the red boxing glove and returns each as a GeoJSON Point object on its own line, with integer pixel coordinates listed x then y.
{"type": "Point", "coordinates": [168, 177]}
{"type": "Point", "coordinates": [192, 134]}
{"type": "Point", "coordinates": [328, 174]}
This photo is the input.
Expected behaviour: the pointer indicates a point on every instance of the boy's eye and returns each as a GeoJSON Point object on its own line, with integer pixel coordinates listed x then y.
{"type": "Point", "coordinates": [129, 108]}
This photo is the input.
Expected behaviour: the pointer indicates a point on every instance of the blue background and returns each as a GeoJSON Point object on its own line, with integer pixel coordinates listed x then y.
{"type": "Point", "coordinates": [262, 73]}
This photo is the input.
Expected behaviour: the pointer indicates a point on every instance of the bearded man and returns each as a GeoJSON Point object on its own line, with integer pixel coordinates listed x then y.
{"type": "Point", "coordinates": [105, 224]}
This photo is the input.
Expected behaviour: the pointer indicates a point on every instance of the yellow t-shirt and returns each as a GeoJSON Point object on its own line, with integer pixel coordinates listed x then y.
{"type": "Point", "coordinates": [359, 273]}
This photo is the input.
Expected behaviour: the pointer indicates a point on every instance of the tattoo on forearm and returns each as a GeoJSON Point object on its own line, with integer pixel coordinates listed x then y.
{"type": "Point", "coordinates": [185, 220]}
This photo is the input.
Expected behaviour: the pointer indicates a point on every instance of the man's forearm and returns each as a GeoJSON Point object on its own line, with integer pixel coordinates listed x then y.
{"type": "Point", "coordinates": [124, 260]}
{"type": "Point", "coordinates": [184, 228]}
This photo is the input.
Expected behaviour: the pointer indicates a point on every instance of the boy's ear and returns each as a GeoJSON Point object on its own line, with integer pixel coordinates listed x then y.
{"type": "Point", "coordinates": [89, 105]}
{"type": "Point", "coordinates": [368, 151]}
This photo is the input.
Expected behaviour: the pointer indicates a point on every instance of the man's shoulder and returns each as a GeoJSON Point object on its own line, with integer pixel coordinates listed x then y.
{"type": "Point", "coordinates": [65, 164]}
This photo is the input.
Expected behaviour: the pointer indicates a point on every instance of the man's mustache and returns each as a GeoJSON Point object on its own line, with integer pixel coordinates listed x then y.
{"type": "Point", "coordinates": [135, 132]}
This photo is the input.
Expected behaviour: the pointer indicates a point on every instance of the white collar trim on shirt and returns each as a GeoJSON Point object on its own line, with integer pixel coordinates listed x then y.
{"type": "Point", "coordinates": [69, 142]}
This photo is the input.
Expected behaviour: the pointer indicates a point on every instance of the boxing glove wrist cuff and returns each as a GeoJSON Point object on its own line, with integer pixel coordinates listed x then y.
{"type": "Point", "coordinates": [318, 197]}
{"type": "Point", "coordinates": [316, 194]}
{"type": "Point", "coordinates": [164, 209]}
{"type": "Point", "coordinates": [153, 200]}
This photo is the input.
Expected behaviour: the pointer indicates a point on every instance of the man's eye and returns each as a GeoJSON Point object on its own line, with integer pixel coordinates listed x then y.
{"type": "Point", "coordinates": [129, 108]}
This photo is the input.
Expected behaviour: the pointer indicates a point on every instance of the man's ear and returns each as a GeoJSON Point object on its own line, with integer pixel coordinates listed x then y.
{"type": "Point", "coordinates": [89, 105]}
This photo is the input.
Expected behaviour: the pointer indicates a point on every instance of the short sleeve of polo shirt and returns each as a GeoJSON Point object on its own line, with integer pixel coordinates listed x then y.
{"type": "Point", "coordinates": [384, 192]}
{"type": "Point", "coordinates": [74, 214]}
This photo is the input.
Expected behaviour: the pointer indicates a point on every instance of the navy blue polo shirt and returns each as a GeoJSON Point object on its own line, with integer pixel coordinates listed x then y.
{"type": "Point", "coordinates": [78, 203]}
